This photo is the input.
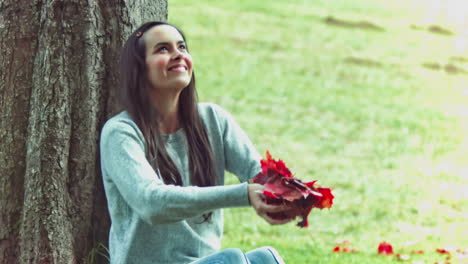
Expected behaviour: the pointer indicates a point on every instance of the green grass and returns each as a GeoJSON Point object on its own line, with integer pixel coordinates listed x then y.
{"type": "Point", "coordinates": [350, 107]}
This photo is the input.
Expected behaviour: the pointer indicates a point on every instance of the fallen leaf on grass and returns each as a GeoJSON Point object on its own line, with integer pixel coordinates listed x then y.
{"type": "Point", "coordinates": [344, 249]}
{"type": "Point", "coordinates": [385, 248]}
{"type": "Point", "coordinates": [402, 257]}
{"type": "Point", "coordinates": [342, 241]}
{"type": "Point", "coordinates": [443, 251]}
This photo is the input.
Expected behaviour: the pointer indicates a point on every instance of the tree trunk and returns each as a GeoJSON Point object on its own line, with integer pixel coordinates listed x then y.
{"type": "Point", "coordinates": [58, 74]}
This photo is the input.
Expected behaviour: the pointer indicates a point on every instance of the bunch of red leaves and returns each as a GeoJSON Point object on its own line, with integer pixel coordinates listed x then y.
{"type": "Point", "coordinates": [282, 187]}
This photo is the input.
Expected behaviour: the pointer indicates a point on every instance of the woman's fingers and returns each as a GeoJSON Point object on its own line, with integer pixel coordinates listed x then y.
{"type": "Point", "coordinates": [267, 211]}
{"type": "Point", "coordinates": [275, 221]}
{"type": "Point", "coordinates": [271, 208]}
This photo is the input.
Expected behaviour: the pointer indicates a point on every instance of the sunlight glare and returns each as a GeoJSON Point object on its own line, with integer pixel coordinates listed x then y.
{"type": "Point", "coordinates": [452, 14]}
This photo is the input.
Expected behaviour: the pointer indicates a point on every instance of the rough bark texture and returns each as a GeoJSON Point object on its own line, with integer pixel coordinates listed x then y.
{"type": "Point", "coordinates": [58, 76]}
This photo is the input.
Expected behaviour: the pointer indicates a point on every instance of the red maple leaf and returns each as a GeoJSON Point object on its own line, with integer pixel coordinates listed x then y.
{"type": "Point", "coordinates": [348, 249]}
{"type": "Point", "coordinates": [271, 166]}
{"type": "Point", "coordinates": [282, 187]}
{"type": "Point", "coordinates": [385, 248]}
{"type": "Point", "coordinates": [326, 201]}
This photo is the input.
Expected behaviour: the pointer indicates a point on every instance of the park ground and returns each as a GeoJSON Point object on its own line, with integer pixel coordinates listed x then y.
{"type": "Point", "coordinates": [369, 97]}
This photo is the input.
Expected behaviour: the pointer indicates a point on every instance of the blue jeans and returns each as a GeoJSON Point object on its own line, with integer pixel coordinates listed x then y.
{"type": "Point", "coordinates": [264, 255]}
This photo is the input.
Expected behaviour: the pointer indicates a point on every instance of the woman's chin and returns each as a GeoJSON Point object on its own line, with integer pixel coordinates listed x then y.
{"type": "Point", "coordinates": [174, 85]}
{"type": "Point", "coordinates": [181, 83]}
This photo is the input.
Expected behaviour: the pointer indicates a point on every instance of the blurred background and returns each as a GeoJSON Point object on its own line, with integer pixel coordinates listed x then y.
{"type": "Point", "coordinates": [369, 97]}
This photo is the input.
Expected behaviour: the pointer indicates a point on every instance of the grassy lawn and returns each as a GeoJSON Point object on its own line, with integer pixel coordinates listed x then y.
{"type": "Point", "coordinates": [378, 111]}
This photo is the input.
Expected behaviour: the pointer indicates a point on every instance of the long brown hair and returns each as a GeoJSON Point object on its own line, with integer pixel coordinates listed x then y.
{"type": "Point", "coordinates": [135, 98]}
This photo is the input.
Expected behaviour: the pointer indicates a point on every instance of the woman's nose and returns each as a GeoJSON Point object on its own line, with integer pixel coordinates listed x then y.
{"type": "Point", "coordinates": [177, 55]}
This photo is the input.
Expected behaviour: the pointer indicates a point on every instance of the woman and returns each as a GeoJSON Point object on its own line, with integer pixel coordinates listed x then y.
{"type": "Point", "coordinates": [163, 161]}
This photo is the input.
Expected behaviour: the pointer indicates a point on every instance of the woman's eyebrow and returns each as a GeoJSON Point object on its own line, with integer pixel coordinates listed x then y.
{"type": "Point", "coordinates": [167, 43]}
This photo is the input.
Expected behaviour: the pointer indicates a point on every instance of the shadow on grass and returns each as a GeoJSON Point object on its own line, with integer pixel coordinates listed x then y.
{"type": "Point", "coordinates": [435, 29]}
{"type": "Point", "coordinates": [459, 59]}
{"type": "Point", "coordinates": [363, 62]}
{"type": "Point", "coordinates": [366, 25]}
{"type": "Point", "coordinates": [449, 68]}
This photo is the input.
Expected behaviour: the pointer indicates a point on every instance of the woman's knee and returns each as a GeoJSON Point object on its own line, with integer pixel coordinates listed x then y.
{"type": "Point", "coordinates": [234, 255]}
{"type": "Point", "coordinates": [230, 255]}
{"type": "Point", "coordinates": [264, 255]}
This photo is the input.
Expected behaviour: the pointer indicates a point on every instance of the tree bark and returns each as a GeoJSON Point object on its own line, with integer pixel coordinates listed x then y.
{"type": "Point", "coordinates": [58, 76]}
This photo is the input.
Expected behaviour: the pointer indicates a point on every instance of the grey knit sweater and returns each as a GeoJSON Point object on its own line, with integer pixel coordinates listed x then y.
{"type": "Point", "coordinates": [157, 223]}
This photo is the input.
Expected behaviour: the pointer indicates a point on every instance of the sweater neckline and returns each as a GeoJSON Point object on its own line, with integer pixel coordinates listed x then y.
{"type": "Point", "coordinates": [173, 137]}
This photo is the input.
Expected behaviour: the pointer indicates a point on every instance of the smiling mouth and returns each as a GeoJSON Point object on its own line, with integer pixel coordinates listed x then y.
{"type": "Point", "coordinates": [178, 68]}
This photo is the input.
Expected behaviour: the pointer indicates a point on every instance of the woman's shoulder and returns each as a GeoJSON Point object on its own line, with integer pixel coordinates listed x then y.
{"type": "Point", "coordinates": [215, 117]}
{"type": "Point", "coordinates": [120, 122]}
{"type": "Point", "coordinates": [207, 106]}
{"type": "Point", "coordinates": [207, 109]}
{"type": "Point", "coordinates": [122, 118]}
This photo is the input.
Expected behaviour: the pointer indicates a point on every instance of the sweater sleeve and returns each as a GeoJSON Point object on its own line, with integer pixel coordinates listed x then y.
{"type": "Point", "coordinates": [242, 159]}
{"type": "Point", "coordinates": [125, 166]}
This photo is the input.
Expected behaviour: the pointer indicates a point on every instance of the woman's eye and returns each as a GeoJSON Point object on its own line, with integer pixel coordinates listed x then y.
{"type": "Point", "coordinates": [183, 47]}
{"type": "Point", "coordinates": [162, 49]}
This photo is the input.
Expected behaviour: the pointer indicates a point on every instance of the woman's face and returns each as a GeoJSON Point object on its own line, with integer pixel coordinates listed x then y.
{"type": "Point", "coordinates": [167, 59]}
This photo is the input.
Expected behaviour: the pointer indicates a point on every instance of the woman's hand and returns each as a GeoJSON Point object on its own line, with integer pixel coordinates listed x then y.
{"type": "Point", "coordinates": [263, 209]}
